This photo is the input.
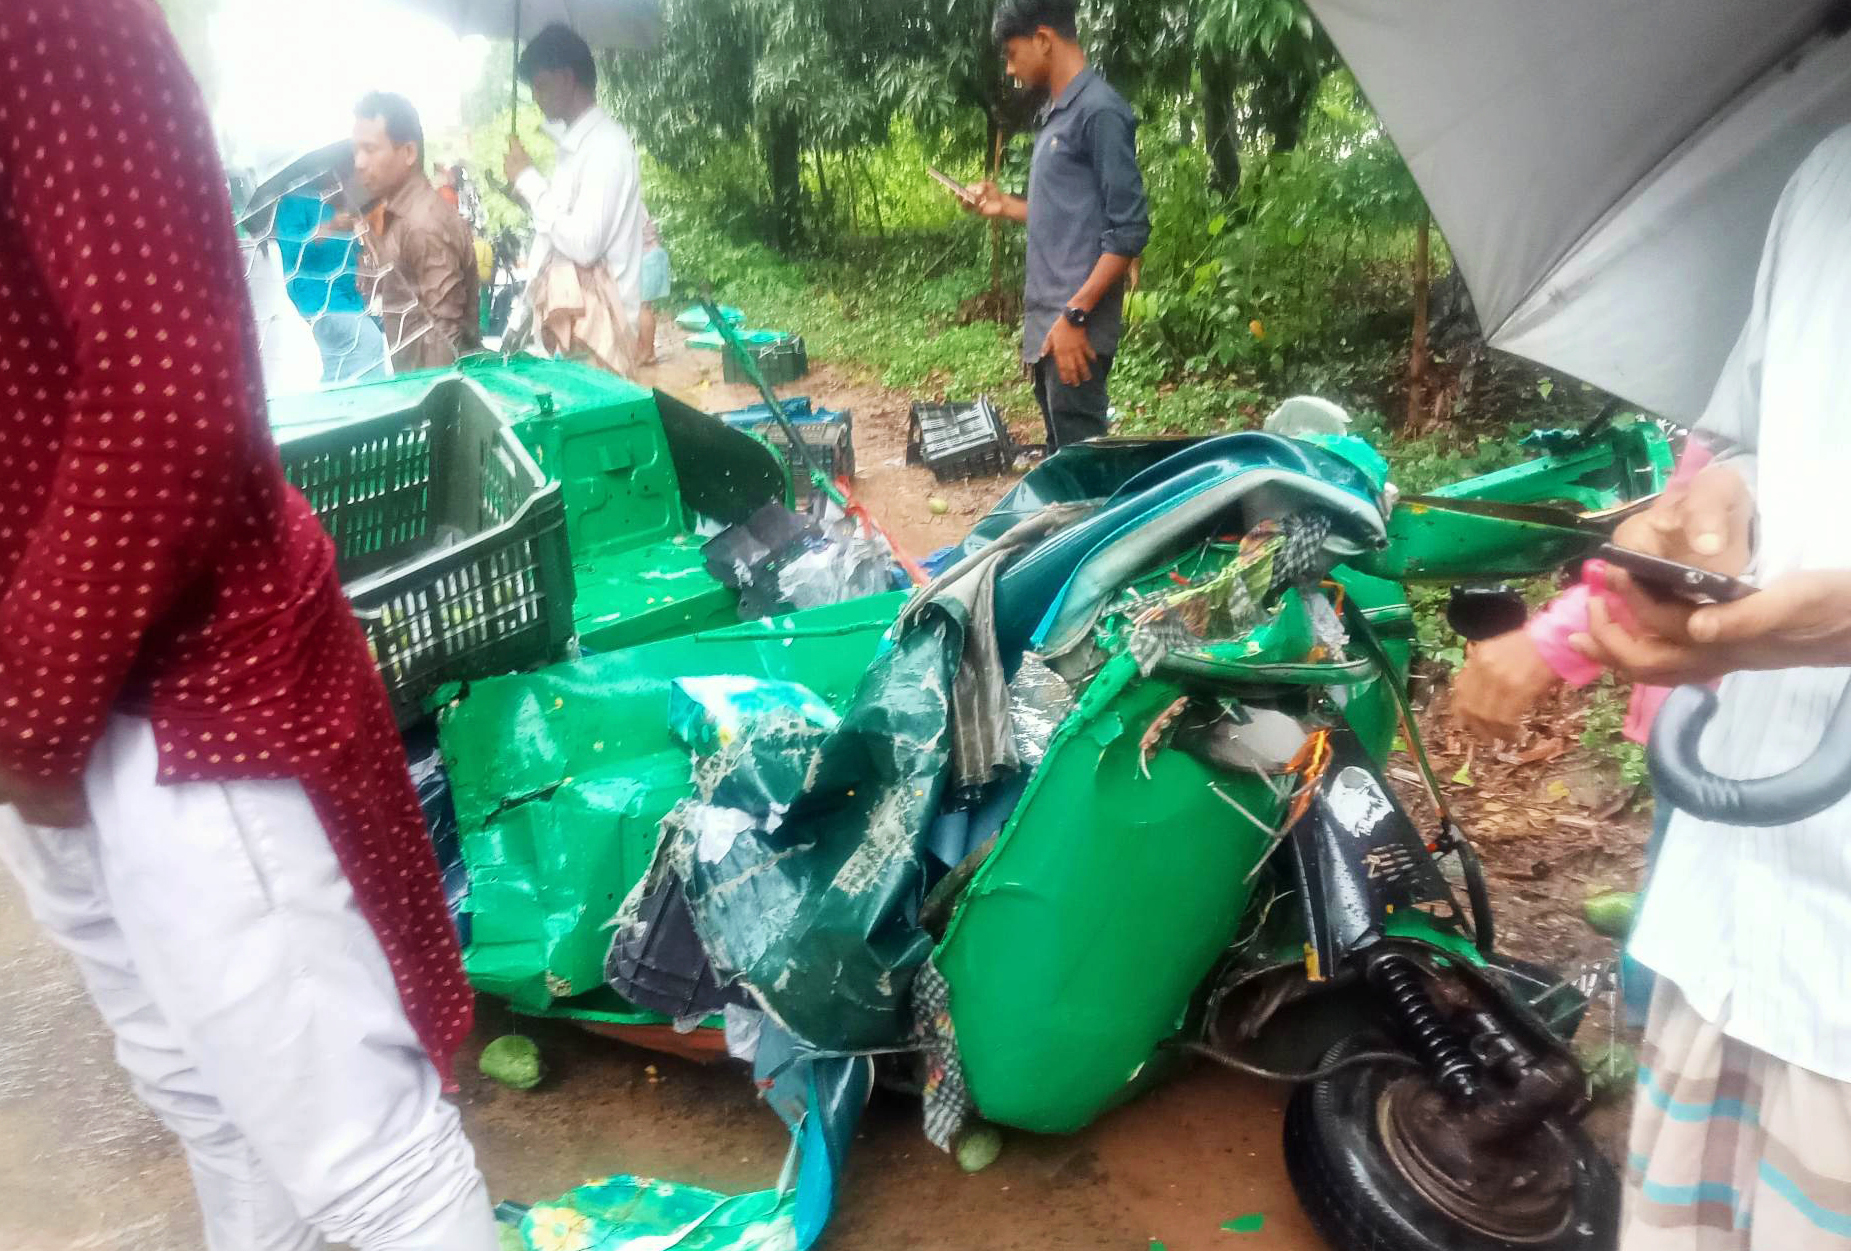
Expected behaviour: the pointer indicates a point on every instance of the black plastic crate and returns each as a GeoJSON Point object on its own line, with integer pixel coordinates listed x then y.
{"type": "Point", "coordinates": [781, 362]}
{"type": "Point", "coordinates": [830, 441]}
{"type": "Point", "coordinates": [959, 440]}
{"type": "Point", "coordinates": [450, 542]}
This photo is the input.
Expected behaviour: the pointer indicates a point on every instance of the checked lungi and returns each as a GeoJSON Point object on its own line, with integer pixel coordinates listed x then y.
{"type": "Point", "coordinates": [1732, 1150]}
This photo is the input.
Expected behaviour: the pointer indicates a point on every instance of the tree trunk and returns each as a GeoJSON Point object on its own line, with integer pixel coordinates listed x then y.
{"type": "Point", "coordinates": [874, 198]}
{"type": "Point", "coordinates": [1220, 126]}
{"type": "Point", "coordinates": [996, 223]}
{"type": "Point", "coordinates": [784, 165]}
{"type": "Point", "coordinates": [822, 189]}
{"type": "Point", "coordinates": [1417, 358]}
{"type": "Point", "coordinates": [1185, 123]}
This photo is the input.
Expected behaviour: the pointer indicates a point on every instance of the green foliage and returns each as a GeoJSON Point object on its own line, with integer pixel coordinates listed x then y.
{"type": "Point", "coordinates": [1603, 733]}
{"type": "Point", "coordinates": [1327, 220]}
{"type": "Point", "coordinates": [1434, 637]}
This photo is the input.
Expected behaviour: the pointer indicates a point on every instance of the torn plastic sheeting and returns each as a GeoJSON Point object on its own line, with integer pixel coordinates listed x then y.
{"type": "Point", "coordinates": [815, 907]}
{"type": "Point", "coordinates": [641, 1214]}
{"type": "Point", "coordinates": [711, 713]}
{"type": "Point", "coordinates": [433, 785]}
{"type": "Point", "coordinates": [1039, 700]}
{"type": "Point", "coordinates": [538, 763]}
{"type": "Point", "coordinates": [849, 567]}
{"type": "Point", "coordinates": [659, 963]}
{"type": "Point", "coordinates": [820, 1099]}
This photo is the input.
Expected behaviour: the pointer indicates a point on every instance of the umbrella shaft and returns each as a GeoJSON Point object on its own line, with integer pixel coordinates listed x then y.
{"type": "Point", "coordinates": [514, 79]}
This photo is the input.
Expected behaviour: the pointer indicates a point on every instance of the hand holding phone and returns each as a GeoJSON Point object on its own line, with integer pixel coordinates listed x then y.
{"type": "Point", "coordinates": [965, 195]}
{"type": "Point", "coordinates": [1669, 580]}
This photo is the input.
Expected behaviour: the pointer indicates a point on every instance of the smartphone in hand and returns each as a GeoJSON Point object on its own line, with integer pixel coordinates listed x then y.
{"type": "Point", "coordinates": [952, 185]}
{"type": "Point", "coordinates": [1667, 579]}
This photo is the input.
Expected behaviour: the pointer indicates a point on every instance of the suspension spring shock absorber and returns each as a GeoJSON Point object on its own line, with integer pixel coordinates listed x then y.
{"type": "Point", "coordinates": [1399, 980]}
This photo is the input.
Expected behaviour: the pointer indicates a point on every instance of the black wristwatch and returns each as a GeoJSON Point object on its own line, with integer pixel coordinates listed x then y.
{"type": "Point", "coordinates": [1077, 316]}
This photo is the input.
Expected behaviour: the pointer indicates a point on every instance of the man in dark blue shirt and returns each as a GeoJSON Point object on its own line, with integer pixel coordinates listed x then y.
{"type": "Point", "coordinates": [1086, 213]}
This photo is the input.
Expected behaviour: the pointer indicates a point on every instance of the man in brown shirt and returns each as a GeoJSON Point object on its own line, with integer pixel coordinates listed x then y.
{"type": "Point", "coordinates": [421, 259]}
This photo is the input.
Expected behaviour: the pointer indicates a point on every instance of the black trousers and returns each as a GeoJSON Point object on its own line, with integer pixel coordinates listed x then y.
{"type": "Point", "coordinates": [1072, 414]}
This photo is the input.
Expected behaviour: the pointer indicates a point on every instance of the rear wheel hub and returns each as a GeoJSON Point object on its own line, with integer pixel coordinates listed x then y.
{"type": "Point", "coordinates": [1520, 1190]}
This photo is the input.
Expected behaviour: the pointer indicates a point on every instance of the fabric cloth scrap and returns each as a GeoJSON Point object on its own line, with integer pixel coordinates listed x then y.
{"type": "Point", "coordinates": [982, 734]}
{"type": "Point", "coordinates": [948, 1103]}
{"type": "Point", "coordinates": [580, 313]}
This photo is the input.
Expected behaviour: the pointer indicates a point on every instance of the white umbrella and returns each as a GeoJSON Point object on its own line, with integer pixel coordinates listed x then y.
{"type": "Point", "coordinates": [1605, 170]}
{"type": "Point", "coordinates": [623, 24]}
{"type": "Point", "coordinates": [600, 23]}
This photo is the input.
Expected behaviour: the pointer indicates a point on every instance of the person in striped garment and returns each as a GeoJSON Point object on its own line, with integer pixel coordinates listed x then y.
{"type": "Point", "coordinates": [1742, 1131]}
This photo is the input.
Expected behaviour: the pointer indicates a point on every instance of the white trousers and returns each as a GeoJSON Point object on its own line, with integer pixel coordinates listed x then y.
{"type": "Point", "coordinates": [253, 1009]}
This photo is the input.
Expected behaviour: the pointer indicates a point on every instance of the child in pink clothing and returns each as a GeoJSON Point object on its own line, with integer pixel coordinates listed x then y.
{"type": "Point", "coordinates": [1566, 616]}
{"type": "Point", "coordinates": [1503, 678]}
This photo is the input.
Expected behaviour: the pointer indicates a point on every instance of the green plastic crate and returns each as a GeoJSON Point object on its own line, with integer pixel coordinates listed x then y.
{"type": "Point", "coordinates": [450, 542]}
{"type": "Point", "coordinates": [783, 361]}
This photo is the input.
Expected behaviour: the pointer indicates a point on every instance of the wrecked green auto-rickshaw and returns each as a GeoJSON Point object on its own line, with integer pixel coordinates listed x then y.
{"type": "Point", "coordinates": [1107, 795]}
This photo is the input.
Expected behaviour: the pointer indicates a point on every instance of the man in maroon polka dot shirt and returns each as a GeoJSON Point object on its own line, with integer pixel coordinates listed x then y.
{"type": "Point", "coordinates": [202, 793]}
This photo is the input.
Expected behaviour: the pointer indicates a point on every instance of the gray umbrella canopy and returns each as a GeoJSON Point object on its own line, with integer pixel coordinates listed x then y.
{"type": "Point", "coordinates": [600, 23]}
{"type": "Point", "coordinates": [1605, 170]}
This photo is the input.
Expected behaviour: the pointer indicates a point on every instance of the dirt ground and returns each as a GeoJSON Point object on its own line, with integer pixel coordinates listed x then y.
{"type": "Point", "coordinates": [87, 1169]}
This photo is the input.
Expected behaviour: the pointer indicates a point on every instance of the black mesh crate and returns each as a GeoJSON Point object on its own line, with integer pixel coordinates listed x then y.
{"type": "Point", "coordinates": [959, 440]}
{"type": "Point", "coordinates": [830, 442]}
{"type": "Point", "coordinates": [450, 542]}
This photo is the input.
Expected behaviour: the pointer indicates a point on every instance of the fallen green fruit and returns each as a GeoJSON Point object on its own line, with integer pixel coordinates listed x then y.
{"type": "Point", "coordinates": [513, 1061]}
{"type": "Point", "coordinates": [1612, 1069]}
{"type": "Point", "coordinates": [1612, 913]}
{"type": "Point", "coordinates": [979, 1149]}
{"type": "Point", "coordinates": [938, 506]}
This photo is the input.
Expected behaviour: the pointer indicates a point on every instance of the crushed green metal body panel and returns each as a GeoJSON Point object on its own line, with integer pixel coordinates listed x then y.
{"type": "Point", "coordinates": [1083, 940]}
{"type": "Point", "coordinates": [631, 595]}
{"type": "Point", "coordinates": [1624, 462]}
{"type": "Point", "coordinates": [1431, 544]}
{"type": "Point", "coordinates": [561, 779]}
{"type": "Point", "coordinates": [1620, 461]}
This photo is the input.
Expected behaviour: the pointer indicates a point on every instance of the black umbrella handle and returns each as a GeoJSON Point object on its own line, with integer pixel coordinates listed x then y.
{"type": "Point", "coordinates": [1803, 791]}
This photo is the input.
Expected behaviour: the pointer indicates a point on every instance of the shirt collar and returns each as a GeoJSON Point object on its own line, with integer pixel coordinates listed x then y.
{"type": "Point", "coordinates": [400, 202]}
{"type": "Point", "coordinates": [569, 137]}
{"type": "Point", "coordinates": [1074, 88]}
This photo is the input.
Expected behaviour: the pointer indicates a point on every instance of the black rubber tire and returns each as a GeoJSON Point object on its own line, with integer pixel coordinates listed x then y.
{"type": "Point", "coordinates": [1359, 1201]}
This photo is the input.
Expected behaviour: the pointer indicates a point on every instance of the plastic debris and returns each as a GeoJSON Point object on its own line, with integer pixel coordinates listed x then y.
{"type": "Point", "coordinates": [1251, 1223]}
{"type": "Point", "coordinates": [514, 1061]}
{"type": "Point", "coordinates": [979, 1148]}
{"type": "Point", "coordinates": [1612, 913]}
{"type": "Point", "coordinates": [641, 1214]}
{"type": "Point", "coordinates": [1612, 1069]}
{"type": "Point", "coordinates": [711, 714]}
{"type": "Point", "coordinates": [1039, 700]}
{"type": "Point", "coordinates": [848, 564]}
{"type": "Point", "coordinates": [696, 321]}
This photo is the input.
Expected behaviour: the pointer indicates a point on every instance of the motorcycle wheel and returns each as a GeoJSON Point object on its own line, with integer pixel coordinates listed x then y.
{"type": "Point", "coordinates": [1361, 1198]}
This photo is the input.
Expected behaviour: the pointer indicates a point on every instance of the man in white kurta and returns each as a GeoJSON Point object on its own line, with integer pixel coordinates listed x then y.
{"type": "Point", "coordinates": [1742, 1137]}
{"type": "Point", "coordinates": [588, 217]}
